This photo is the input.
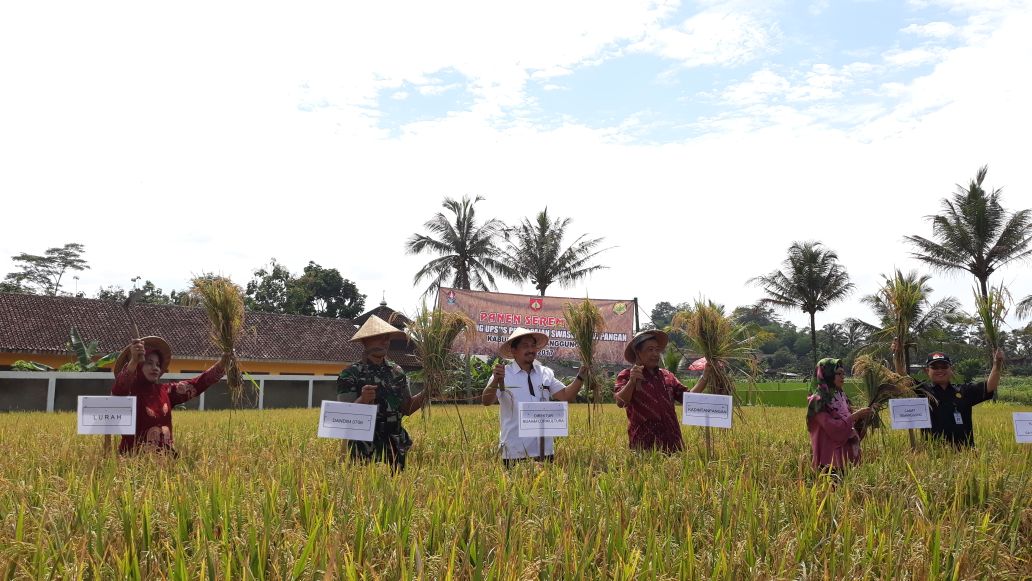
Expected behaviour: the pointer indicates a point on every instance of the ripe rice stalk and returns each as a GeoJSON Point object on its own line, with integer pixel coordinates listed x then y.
{"type": "Point", "coordinates": [723, 342]}
{"type": "Point", "coordinates": [432, 333]}
{"type": "Point", "coordinates": [585, 323]}
{"type": "Point", "coordinates": [991, 311]}
{"type": "Point", "coordinates": [223, 302]}
{"type": "Point", "coordinates": [720, 339]}
{"type": "Point", "coordinates": [880, 385]}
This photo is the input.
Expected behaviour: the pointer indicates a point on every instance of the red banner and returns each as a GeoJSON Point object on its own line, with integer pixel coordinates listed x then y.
{"type": "Point", "coordinates": [497, 314]}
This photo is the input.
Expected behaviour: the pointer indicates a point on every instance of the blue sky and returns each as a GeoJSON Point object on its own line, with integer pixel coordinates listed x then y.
{"type": "Point", "coordinates": [840, 54]}
{"type": "Point", "coordinates": [714, 132]}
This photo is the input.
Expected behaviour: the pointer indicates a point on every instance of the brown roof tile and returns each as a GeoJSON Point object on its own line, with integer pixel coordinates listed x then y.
{"type": "Point", "coordinates": [40, 324]}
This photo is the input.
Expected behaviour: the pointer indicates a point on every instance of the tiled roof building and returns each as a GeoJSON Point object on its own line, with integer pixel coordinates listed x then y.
{"type": "Point", "coordinates": [37, 328]}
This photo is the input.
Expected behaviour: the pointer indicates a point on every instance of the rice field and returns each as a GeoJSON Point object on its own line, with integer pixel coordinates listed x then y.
{"type": "Point", "coordinates": [255, 495]}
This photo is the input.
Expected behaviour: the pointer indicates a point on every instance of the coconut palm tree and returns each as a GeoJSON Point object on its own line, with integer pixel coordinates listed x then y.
{"type": "Point", "coordinates": [905, 311]}
{"type": "Point", "coordinates": [536, 252]}
{"type": "Point", "coordinates": [468, 254]}
{"type": "Point", "coordinates": [1024, 307]}
{"type": "Point", "coordinates": [975, 233]}
{"type": "Point", "coordinates": [811, 280]}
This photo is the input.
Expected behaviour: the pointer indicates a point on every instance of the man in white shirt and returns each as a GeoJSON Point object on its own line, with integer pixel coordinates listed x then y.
{"type": "Point", "coordinates": [525, 380]}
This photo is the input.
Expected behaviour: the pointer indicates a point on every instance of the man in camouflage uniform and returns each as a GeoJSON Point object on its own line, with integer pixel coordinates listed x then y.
{"type": "Point", "coordinates": [375, 380]}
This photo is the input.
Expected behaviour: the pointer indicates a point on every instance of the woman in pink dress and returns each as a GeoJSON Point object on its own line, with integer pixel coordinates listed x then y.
{"type": "Point", "coordinates": [830, 420]}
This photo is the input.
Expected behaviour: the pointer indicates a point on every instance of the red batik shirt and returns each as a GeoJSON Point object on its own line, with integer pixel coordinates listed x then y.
{"type": "Point", "coordinates": [154, 403]}
{"type": "Point", "coordinates": [651, 419]}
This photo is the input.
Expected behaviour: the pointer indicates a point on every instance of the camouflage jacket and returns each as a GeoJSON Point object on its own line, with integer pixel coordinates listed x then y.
{"type": "Point", "coordinates": [392, 392]}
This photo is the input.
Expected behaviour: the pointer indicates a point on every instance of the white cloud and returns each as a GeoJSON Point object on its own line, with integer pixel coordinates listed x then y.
{"type": "Point", "coordinates": [818, 7]}
{"type": "Point", "coordinates": [187, 128]}
{"type": "Point", "coordinates": [820, 82]}
{"type": "Point", "coordinates": [937, 30]}
{"type": "Point", "coordinates": [761, 86]}
{"type": "Point", "coordinates": [723, 35]}
{"type": "Point", "coordinates": [914, 57]}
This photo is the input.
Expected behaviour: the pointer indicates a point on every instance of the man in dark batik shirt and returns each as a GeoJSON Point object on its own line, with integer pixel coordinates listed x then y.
{"type": "Point", "coordinates": [375, 380]}
{"type": "Point", "coordinates": [951, 403]}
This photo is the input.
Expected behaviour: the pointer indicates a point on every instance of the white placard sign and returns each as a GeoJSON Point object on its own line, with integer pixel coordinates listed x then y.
{"type": "Point", "coordinates": [544, 418]}
{"type": "Point", "coordinates": [910, 412]}
{"type": "Point", "coordinates": [107, 414]}
{"type": "Point", "coordinates": [706, 409]}
{"type": "Point", "coordinates": [1023, 427]}
{"type": "Point", "coordinates": [347, 421]}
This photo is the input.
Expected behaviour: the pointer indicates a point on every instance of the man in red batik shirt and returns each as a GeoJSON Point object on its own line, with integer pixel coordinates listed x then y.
{"type": "Point", "coordinates": [648, 393]}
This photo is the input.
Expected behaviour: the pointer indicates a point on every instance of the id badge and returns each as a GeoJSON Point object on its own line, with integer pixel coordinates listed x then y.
{"type": "Point", "coordinates": [957, 418]}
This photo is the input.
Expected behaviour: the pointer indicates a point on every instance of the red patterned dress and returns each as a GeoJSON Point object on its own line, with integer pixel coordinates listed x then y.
{"type": "Point", "coordinates": [652, 422]}
{"type": "Point", "coordinates": [154, 403]}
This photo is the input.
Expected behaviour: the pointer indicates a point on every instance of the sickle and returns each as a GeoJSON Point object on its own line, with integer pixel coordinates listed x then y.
{"type": "Point", "coordinates": [127, 307]}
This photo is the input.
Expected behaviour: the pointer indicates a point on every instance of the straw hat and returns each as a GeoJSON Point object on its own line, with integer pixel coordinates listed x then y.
{"type": "Point", "coordinates": [150, 344]}
{"type": "Point", "coordinates": [540, 340]}
{"type": "Point", "coordinates": [629, 353]}
{"type": "Point", "coordinates": [375, 327]}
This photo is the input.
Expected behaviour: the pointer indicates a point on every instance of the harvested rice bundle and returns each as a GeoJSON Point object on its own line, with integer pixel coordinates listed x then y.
{"type": "Point", "coordinates": [880, 385]}
{"type": "Point", "coordinates": [719, 339]}
{"type": "Point", "coordinates": [585, 323]}
{"type": "Point", "coordinates": [432, 333]}
{"type": "Point", "coordinates": [991, 311]}
{"type": "Point", "coordinates": [223, 302]}
{"type": "Point", "coordinates": [722, 342]}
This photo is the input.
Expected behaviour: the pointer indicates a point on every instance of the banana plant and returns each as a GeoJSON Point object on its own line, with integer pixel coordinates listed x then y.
{"type": "Point", "coordinates": [85, 352]}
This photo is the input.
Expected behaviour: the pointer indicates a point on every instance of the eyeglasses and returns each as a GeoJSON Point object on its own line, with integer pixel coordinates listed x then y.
{"type": "Point", "coordinates": [939, 366]}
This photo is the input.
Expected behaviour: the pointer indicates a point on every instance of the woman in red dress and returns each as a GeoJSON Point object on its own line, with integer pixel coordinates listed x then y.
{"type": "Point", "coordinates": [137, 372]}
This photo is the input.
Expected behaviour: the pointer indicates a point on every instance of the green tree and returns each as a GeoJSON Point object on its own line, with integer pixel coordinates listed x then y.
{"type": "Point", "coordinates": [671, 358]}
{"type": "Point", "coordinates": [319, 292]}
{"type": "Point", "coordinates": [811, 280]}
{"type": "Point", "coordinates": [832, 337]}
{"type": "Point", "coordinates": [536, 253]}
{"type": "Point", "coordinates": [468, 255]}
{"type": "Point", "coordinates": [975, 233]}
{"type": "Point", "coordinates": [272, 290]}
{"type": "Point", "coordinates": [857, 333]}
{"type": "Point", "coordinates": [662, 313]}
{"type": "Point", "coordinates": [662, 316]}
{"type": "Point", "coordinates": [757, 314]}
{"type": "Point", "coordinates": [781, 358]}
{"type": "Point", "coordinates": [328, 294]}
{"type": "Point", "coordinates": [905, 312]}
{"type": "Point", "coordinates": [1024, 307]}
{"type": "Point", "coordinates": [148, 293]}
{"type": "Point", "coordinates": [9, 285]}
{"type": "Point", "coordinates": [43, 274]}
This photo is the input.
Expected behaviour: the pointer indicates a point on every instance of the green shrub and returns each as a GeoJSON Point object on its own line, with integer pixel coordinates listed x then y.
{"type": "Point", "coordinates": [968, 369]}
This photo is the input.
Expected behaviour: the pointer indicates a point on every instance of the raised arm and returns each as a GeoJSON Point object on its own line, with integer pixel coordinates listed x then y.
{"type": "Point", "coordinates": [127, 377]}
{"type": "Point", "coordinates": [994, 376]}
{"type": "Point", "coordinates": [569, 392]}
{"type": "Point", "coordinates": [700, 385]}
{"type": "Point", "coordinates": [181, 392]}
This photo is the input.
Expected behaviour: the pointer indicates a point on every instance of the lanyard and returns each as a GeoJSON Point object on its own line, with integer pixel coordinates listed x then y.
{"type": "Point", "coordinates": [530, 386]}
